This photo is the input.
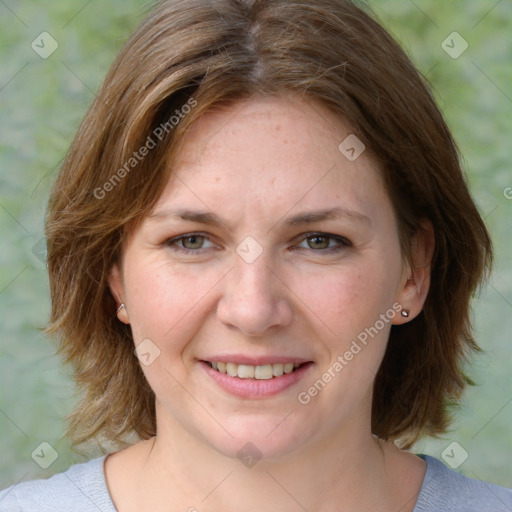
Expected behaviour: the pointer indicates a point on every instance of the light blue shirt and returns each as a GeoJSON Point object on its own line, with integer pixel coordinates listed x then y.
{"type": "Point", "coordinates": [82, 488]}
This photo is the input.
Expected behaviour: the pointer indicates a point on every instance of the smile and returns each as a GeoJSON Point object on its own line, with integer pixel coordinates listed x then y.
{"type": "Point", "coordinates": [255, 381]}
{"type": "Point", "coordinates": [260, 372]}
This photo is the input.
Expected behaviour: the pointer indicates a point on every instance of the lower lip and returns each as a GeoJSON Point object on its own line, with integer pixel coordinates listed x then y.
{"type": "Point", "coordinates": [253, 388]}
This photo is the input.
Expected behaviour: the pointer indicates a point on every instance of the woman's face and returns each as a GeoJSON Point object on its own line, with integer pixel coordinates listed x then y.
{"type": "Point", "coordinates": [269, 246]}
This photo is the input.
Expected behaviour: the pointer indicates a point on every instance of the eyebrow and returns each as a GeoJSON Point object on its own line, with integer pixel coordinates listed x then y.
{"type": "Point", "coordinates": [210, 218]}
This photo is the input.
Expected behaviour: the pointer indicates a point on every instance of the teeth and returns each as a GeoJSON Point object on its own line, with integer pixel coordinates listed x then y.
{"type": "Point", "coordinates": [288, 368]}
{"type": "Point", "coordinates": [247, 371]}
{"type": "Point", "coordinates": [277, 369]}
{"type": "Point", "coordinates": [232, 369]}
{"type": "Point", "coordinates": [263, 372]}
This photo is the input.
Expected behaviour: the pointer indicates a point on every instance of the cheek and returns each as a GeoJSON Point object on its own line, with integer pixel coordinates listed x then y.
{"type": "Point", "coordinates": [347, 306]}
{"type": "Point", "coordinates": [162, 300]}
{"type": "Point", "coordinates": [348, 300]}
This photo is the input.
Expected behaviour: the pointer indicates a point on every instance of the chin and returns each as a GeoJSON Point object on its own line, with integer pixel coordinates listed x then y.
{"type": "Point", "coordinates": [261, 438]}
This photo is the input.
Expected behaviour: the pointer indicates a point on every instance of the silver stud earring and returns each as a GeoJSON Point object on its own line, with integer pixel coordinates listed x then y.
{"type": "Point", "coordinates": [119, 308]}
{"type": "Point", "coordinates": [404, 313]}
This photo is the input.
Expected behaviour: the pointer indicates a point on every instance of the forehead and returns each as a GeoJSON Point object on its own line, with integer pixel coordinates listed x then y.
{"type": "Point", "coordinates": [284, 126]}
{"type": "Point", "coordinates": [277, 152]}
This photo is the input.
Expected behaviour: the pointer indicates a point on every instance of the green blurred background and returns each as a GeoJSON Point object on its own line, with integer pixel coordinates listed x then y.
{"type": "Point", "coordinates": [41, 104]}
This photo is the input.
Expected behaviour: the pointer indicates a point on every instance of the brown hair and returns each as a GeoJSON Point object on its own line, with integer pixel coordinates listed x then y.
{"type": "Point", "coordinates": [215, 52]}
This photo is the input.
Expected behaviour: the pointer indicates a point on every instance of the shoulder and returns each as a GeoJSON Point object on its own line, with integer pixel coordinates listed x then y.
{"type": "Point", "coordinates": [447, 490]}
{"type": "Point", "coordinates": [80, 488]}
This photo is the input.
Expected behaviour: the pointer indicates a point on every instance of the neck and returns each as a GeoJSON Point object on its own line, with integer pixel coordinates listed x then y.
{"type": "Point", "coordinates": [350, 470]}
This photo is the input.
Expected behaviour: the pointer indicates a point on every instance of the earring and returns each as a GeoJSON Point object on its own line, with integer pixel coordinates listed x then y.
{"type": "Point", "coordinates": [121, 306]}
{"type": "Point", "coordinates": [404, 313]}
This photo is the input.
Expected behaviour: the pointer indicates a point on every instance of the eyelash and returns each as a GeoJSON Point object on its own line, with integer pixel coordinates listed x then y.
{"type": "Point", "coordinates": [343, 242]}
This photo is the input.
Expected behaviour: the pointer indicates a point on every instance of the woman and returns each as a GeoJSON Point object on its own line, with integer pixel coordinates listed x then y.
{"type": "Point", "coordinates": [265, 203]}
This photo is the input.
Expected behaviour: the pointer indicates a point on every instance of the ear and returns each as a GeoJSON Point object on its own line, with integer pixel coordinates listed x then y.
{"type": "Point", "coordinates": [416, 276]}
{"type": "Point", "coordinates": [115, 284]}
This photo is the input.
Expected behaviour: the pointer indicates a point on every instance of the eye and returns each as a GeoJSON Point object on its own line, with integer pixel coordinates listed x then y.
{"type": "Point", "coordinates": [324, 242]}
{"type": "Point", "coordinates": [318, 242]}
{"type": "Point", "coordinates": [191, 242]}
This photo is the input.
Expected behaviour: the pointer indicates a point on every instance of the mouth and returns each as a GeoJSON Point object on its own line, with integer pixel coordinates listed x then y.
{"type": "Point", "coordinates": [257, 372]}
{"type": "Point", "coordinates": [256, 381]}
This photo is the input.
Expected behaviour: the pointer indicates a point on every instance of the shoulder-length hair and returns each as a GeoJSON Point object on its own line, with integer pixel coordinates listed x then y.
{"type": "Point", "coordinates": [210, 53]}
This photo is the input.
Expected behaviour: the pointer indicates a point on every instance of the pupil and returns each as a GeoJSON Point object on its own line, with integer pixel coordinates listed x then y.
{"type": "Point", "coordinates": [319, 240]}
{"type": "Point", "coordinates": [193, 240]}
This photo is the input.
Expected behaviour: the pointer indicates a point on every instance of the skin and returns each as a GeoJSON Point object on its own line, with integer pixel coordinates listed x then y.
{"type": "Point", "coordinates": [255, 164]}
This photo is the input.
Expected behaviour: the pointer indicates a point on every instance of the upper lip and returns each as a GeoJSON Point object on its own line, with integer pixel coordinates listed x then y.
{"type": "Point", "coordinates": [255, 361]}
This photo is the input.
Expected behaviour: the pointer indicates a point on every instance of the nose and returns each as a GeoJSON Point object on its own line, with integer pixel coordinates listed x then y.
{"type": "Point", "coordinates": [255, 299]}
